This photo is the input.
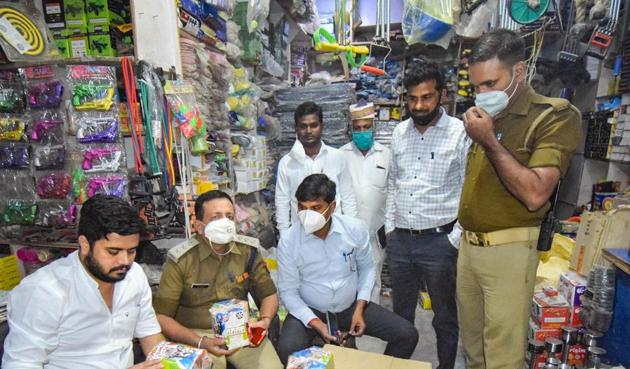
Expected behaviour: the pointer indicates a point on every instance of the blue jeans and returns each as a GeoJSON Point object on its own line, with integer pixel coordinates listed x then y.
{"type": "Point", "coordinates": [430, 258]}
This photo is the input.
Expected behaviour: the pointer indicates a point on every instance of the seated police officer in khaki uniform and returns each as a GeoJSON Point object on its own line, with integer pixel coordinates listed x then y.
{"type": "Point", "coordinates": [213, 267]}
{"type": "Point", "coordinates": [522, 146]}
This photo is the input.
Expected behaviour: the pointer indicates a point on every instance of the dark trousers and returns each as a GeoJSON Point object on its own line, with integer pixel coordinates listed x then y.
{"type": "Point", "coordinates": [413, 259]}
{"type": "Point", "coordinates": [400, 335]}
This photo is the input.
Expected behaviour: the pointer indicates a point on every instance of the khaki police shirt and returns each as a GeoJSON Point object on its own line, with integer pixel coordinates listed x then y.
{"type": "Point", "coordinates": [194, 278]}
{"type": "Point", "coordinates": [486, 205]}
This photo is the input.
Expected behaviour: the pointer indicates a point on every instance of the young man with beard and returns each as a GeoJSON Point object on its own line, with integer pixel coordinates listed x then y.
{"type": "Point", "coordinates": [428, 160]}
{"type": "Point", "coordinates": [82, 311]}
{"type": "Point", "coordinates": [310, 155]}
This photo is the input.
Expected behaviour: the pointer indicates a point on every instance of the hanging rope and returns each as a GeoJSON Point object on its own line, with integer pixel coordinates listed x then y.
{"type": "Point", "coordinates": [135, 121]}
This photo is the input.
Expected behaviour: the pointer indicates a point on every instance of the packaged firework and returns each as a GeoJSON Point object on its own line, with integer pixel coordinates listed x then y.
{"type": "Point", "coordinates": [230, 319]}
{"type": "Point", "coordinates": [178, 356]}
{"type": "Point", "coordinates": [311, 358]}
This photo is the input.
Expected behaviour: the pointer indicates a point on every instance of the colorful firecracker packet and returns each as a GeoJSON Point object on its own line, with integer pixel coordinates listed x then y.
{"type": "Point", "coordinates": [311, 358]}
{"type": "Point", "coordinates": [229, 320]}
{"type": "Point", "coordinates": [178, 356]}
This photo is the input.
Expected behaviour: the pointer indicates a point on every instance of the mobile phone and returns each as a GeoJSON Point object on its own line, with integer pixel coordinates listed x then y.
{"type": "Point", "coordinates": [332, 323]}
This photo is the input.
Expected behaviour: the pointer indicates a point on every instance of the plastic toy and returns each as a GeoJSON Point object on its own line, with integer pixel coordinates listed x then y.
{"type": "Point", "coordinates": [58, 216]}
{"type": "Point", "coordinates": [14, 156]}
{"type": "Point", "coordinates": [97, 130]}
{"type": "Point", "coordinates": [78, 185]}
{"type": "Point", "coordinates": [89, 96]}
{"type": "Point", "coordinates": [42, 128]}
{"type": "Point", "coordinates": [45, 95]}
{"type": "Point", "coordinates": [11, 100]}
{"type": "Point", "coordinates": [19, 212]}
{"type": "Point", "coordinates": [49, 157]}
{"type": "Point", "coordinates": [101, 159]}
{"type": "Point", "coordinates": [11, 129]}
{"type": "Point", "coordinates": [53, 186]}
{"type": "Point", "coordinates": [107, 185]}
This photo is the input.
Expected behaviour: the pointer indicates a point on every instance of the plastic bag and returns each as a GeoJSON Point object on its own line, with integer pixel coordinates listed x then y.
{"type": "Point", "coordinates": [12, 129]}
{"type": "Point", "coordinates": [14, 155]}
{"type": "Point", "coordinates": [113, 185]}
{"type": "Point", "coordinates": [48, 127]}
{"type": "Point", "coordinates": [427, 21]}
{"type": "Point", "coordinates": [257, 12]}
{"type": "Point", "coordinates": [93, 87]}
{"type": "Point", "coordinates": [49, 157]}
{"type": "Point", "coordinates": [19, 212]}
{"type": "Point", "coordinates": [474, 25]}
{"type": "Point", "coordinates": [97, 129]}
{"type": "Point", "coordinates": [56, 214]}
{"type": "Point", "coordinates": [53, 185]}
{"type": "Point", "coordinates": [11, 93]}
{"type": "Point", "coordinates": [102, 158]}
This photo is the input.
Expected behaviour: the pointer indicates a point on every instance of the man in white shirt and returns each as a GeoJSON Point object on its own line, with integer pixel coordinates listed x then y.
{"type": "Point", "coordinates": [82, 311]}
{"type": "Point", "coordinates": [368, 161]}
{"type": "Point", "coordinates": [426, 174]}
{"type": "Point", "coordinates": [310, 155]}
{"type": "Point", "coordinates": [325, 276]}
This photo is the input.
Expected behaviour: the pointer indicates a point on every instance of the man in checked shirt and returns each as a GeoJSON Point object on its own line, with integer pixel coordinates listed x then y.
{"type": "Point", "coordinates": [427, 167]}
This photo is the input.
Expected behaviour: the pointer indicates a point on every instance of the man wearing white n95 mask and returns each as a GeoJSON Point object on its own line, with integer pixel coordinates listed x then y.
{"type": "Point", "coordinates": [326, 275]}
{"type": "Point", "coordinates": [216, 265]}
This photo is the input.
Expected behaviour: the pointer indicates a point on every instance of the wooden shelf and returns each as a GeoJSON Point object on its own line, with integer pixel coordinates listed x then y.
{"type": "Point", "coordinates": [105, 60]}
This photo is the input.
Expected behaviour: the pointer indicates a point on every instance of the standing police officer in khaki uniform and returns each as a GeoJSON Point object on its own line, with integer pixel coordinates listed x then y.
{"type": "Point", "coordinates": [210, 268]}
{"type": "Point", "coordinates": [522, 146]}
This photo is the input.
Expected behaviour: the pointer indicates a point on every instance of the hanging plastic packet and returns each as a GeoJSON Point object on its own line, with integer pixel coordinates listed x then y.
{"type": "Point", "coordinates": [103, 158]}
{"type": "Point", "coordinates": [47, 128]}
{"type": "Point", "coordinates": [113, 185]}
{"type": "Point", "coordinates": [19, 212]}
{"type": "Point", "coordinates": [11, 93]}
{"type": "Point", "coordinates": [56, 214]}
{"type": "Point", "coordinates": [14, 155]}
{"type": "Point", "coordinates": [12, 129]}
{"type": "Point", "coordinates": [92, 129]}
{"type": "Point", "coordinates": [43, 89]}
{"type": "Point", "coordinates": [79, 182]}
{"type": "Point", "coordinates": [49, 157]}
{"type": "Point", "coordinates": [56, 185]}
{"type": "Point", "coordinates": [183, 105]}
{"type": "Point", "coordinates": [93, 87]}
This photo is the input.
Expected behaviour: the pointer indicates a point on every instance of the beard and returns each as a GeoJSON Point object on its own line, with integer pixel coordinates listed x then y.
{"type": "Point", "coordinates": [99, 273]}
{"type": "Point", "coordinates": [424, 118]}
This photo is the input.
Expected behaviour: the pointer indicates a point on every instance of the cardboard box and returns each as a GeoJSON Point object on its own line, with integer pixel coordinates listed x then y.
{"type": "Point", "coordinates": [62, 42]}
{"type": "Point", "coordinates": [550, 311]}
{"type": "Point", "coordinates": [312, 357]}
{"type": "Point", "coordinates": [179, 356]}
{"type": "Point", "coordinates": [230, 319]}
{"type": "Point", "coordinates": [74, 13]}
{"type": "Point", "coordinates": [572, 287]}
{"type": "Point", "coordinates": [53, 13]}
{"type": "Point", "coordinates": [9, 272]}
{"type": "Point", "coordinates": [577, 355]}
{"type": "Point", "coordinates": [346, 358]}
{"type": "Point", "coordinates": [541, 334]}
{"type": "Point", "coordinates": [100, 41]}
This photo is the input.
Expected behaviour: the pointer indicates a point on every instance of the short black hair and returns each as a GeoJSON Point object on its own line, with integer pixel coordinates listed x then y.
{"type": "Point", "coordinates": [308, 108]}
{"type": "Point", "coordinates": [209, 196]}
{"type": "Point", "coordinates": [105, 214]}
{"type": "Point", "coordinates": [316, 187]}
{"type": "Point", "coordinates": [421, 70]}
{"type": "Point", "coordinates": [503, 44]}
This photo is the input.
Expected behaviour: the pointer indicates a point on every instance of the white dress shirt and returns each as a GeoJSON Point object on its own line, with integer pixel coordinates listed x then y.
{"type": "Point", "coordinates": [326, 275]}
{"type": "Point", "coordinates": [295, 166]}
{"type": "Point", "coordinates": [369, 181]}
{"type": "Point", "coordinates": [59, 320]}
{"type": "Point", "coordinates": [426, 175]}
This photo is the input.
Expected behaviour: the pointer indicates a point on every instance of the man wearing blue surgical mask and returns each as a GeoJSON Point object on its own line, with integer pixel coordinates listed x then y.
{"type": "Point", "coordinates": [522, 146]}
{"type": "Point", "coordinates": [368, 161]}
{"type": "Point", "coordinates": [325, 278]}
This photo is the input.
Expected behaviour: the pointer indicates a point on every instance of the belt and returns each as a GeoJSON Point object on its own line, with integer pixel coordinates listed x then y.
{"type": "Point", "coordinates": [504, 236]}
{"type": "Point", "coordinates": [441, 229]}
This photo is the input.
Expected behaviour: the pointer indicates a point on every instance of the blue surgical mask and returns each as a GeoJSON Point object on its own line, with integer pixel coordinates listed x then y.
{"type": "Point", "coordinates": [363, 140]}
{"type": "Point", "coordinates": [494, 102]}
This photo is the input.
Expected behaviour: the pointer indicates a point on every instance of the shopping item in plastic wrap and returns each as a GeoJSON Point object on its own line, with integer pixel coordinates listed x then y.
{"type": "Point", "coordinates": [12, 129]}
{"type": "Point", "coordinates": [53, 186]}
{"type": "Point", "coordinates": [49, 130]}
{"type": "Point", "coordinates": [91, 129]}
{"type": "Point", "coordinates": [102, 159]}
{"type": "Point", "coordinates": [179, 356]}
{"type": "Point", "coordinates": [19, 212]}
{"type": "Point", "coordinates": [93, 87]}
{"type": "Point", "coordinates": [426, 21]}
{"type": "Point", "coordinates": [14, 155]}
{"type": "Point", "coordinates": [311, 358]}
{"type": "Point", "coordinates": [230, 319]}
{"type": "Point", "coordinates": [11, 94]}
{"type": "Point", "coordinates": [183, 105]}
{"type": "Point", "coordinates": [113, 185]}
{"type": "Point", "coordinates": [49, 157]}
{"type": "Point", "coordinates": [45, 95]}
{"type": "Point", "coordinates": [79, 182]}
{"type": "Point", "coordinates": [56, 214]}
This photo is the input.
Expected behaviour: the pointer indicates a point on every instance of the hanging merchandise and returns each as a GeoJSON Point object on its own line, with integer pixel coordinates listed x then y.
{"type": "Point", "coordinates": [527, 11]}
{"type": "Point", "coordinates": [325, 42]}
{"type": "Point", "coordinates": [23, 31]}
{"type": "Point", "coordinates": [12, 98]}
{"type": "Point", "coordinates": [602, 36]}
{"type": "Point", "coordinates": [257, 13]}
{"type": "Point", "coordinates": [53, 185]}
{"type": "Point", "coordinates": [476, 16]}
{"type": "Point", "coordinates": [47, 128]}
{"type": "Point", "coordinates": [134, 113]}
{"type": "Point", "coordinates": [14, 155]}
{"type": "Point", "coordinates": [105, 158]}
{"type": "Point", "coordinates": [56, 214]}
{"type": "Point", "coordinates": [150, 93]}
{"type": "Point", "coordinates": [427, 21]}
{"type": "Point", "coordinates": [12, 129]}
{"type": "Point", "coordinates": [181, 99]}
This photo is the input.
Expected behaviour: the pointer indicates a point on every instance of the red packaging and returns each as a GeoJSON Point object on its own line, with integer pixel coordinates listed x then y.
{"type": "Point", "coordinates": [577, 355]}
{"type": "Point", "coordinates": [550, 311]}
{"type": "Point", "coordinates": [541, 334]}
{"type": "Point", "coordinates": [575, 317]}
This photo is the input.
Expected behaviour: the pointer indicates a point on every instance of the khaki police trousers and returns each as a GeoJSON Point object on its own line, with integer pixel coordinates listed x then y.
{"type": "Point", "coordinates": [261, 357]}
{"type": "Point", "coordinates": [495, 286]}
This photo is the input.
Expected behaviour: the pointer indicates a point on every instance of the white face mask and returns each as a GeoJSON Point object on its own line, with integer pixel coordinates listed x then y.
{"type": "Point", "coordinates": [312, 220]}
{"type": "Point", "coordinates": [494, 102]}
{"type": "Point", "coordinates": [220, 231]}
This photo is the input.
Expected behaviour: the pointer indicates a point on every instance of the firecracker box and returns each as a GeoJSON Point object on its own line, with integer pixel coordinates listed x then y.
{"type": "Point", "coordinates": [100, 41]}
{"type": "Point", "coordinates": [550, 311]}
{"type": "Point", "coordinates": [53, 13]}
{"type": "Point", "coordinates": [108, 11]}
{"type": "Point", "coordinates": [74, 13]}
{"type": "Point", "coordinates": [541, 334]}
{"type": "Point", "coordinates": [79, 43]}
{"type": "Point", "coordinates": [572, 287]}
{"type": "Point", "coordinates": [577, 355]}
{"type": "Point", "coordinates": [311, 358]}
{"type": "Point", "coordinates": [229, 320]}
{"type": "Point", "coordinates": [179, 356]}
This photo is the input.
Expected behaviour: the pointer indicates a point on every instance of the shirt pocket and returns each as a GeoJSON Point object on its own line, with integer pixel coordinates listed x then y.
{"type": "Point", "coordinates": [377, 176]}
{"type": "Point", "coordinates": [349, 257]}
{"type": "Point", "coordinates": [126, 320]}
{"type": "Point", "coordinates": [197, 293]}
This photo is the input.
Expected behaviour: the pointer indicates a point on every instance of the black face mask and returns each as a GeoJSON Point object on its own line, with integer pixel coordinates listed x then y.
{"type": "Point", "coordinates": [426, 118]}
